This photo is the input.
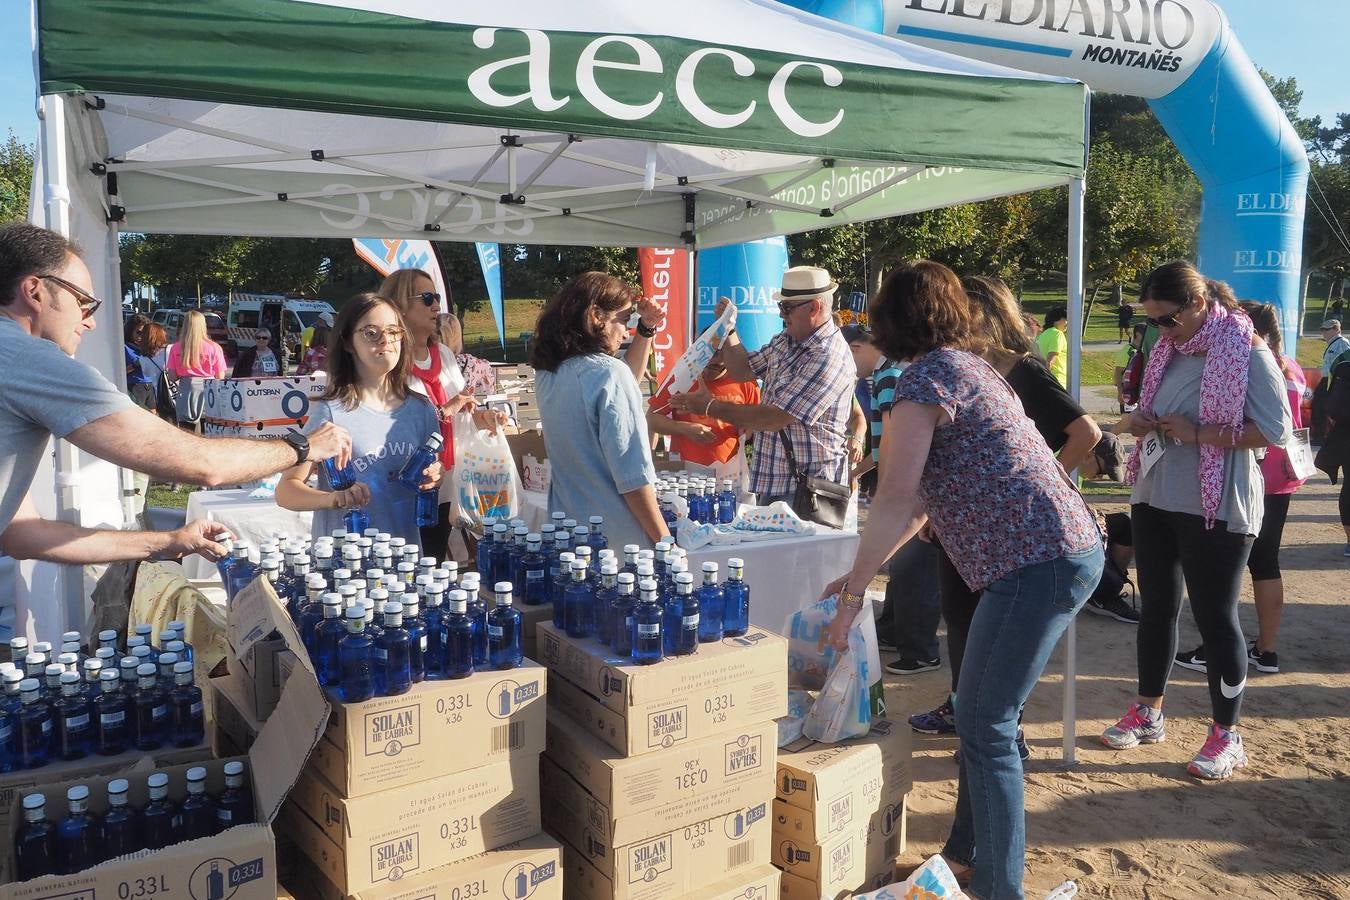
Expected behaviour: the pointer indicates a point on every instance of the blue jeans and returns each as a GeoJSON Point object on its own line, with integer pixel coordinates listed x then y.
{"type": "Point", "coordinates": [1016, 626]}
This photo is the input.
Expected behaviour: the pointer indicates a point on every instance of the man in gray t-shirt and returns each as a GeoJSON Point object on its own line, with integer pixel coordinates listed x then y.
{"type": "Point", "coordinates": [47, 305]}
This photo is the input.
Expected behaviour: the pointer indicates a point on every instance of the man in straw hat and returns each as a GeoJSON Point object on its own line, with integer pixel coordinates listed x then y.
{"type": "Point", "coordinates": [808, 379]}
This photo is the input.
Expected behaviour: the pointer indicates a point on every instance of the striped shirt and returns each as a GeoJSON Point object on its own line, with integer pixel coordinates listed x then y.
{"type": "Point", "coordinates": [883, 398]}
{"type": "Point", "coordinates": [812, 381]}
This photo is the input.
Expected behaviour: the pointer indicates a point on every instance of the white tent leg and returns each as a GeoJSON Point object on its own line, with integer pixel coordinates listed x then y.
{"type": "Point", "coordinates": [1077, 195]}
{"type": "Point", "coordinates": [691, 302]}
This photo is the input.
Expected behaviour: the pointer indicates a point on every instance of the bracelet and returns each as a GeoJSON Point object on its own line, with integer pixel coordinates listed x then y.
{"type": "Point", "coordinates": [707, 408]}
{"type": "Point", "coordinates": [850, 601]}
{"type": "Point", "coordinates": [645, 330]}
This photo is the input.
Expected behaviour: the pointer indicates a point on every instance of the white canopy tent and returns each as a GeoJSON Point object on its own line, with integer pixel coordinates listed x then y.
{"type": "Point", "coordinates": [519, 121]}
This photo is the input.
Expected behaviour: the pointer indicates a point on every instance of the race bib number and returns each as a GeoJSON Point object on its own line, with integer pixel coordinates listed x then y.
{"type": "Point", "coordinates": [1151, 449]}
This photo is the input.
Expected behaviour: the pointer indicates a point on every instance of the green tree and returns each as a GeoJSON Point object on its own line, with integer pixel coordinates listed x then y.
{"type": "Point", "coordinates": [16, 178]}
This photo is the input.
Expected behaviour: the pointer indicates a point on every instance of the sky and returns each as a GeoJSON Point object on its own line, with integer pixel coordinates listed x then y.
{"type": "Point", "coordinates": [1302, 38]}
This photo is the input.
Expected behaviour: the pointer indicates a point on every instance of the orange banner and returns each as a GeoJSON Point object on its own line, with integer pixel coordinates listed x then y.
{"type": "Point", "coordinates": [665, 280]}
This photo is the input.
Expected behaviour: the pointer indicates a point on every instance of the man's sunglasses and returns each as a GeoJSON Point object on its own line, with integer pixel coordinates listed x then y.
{"type": "Point", "coordinates": [87, 302]}
{"type": "Point", "coordinates": [1170, 320]}
{"type": "Point", "coordinates": [429, 298]}
{"type": "Point", "coordinates": [785, 306]}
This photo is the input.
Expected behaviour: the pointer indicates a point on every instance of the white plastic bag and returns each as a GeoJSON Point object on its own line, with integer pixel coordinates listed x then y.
{"type": "Point", "coordinates": [487, 485]}
{"type": "Point", "coordinates": [933, 879]}
{"type": "Point", "coordinates": [850, 695]}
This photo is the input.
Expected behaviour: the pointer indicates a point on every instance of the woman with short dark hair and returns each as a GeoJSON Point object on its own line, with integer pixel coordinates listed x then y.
{"type": "Point", "coordinates": [594, 420]}
{"type": "Point", "coordinates": [1212, 393]}
{"type": "Point", "coordinates": [1025, 538]}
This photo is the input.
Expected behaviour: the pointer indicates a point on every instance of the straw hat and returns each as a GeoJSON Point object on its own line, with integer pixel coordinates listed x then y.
{"type": "Point", "coordinates": [803, 282]}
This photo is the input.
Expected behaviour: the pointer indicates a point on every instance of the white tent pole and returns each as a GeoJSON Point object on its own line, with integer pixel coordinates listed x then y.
{"type": "Point", "coordinates": [1077, 196]}
{"type": "Point", "coordinates": [56, 214]}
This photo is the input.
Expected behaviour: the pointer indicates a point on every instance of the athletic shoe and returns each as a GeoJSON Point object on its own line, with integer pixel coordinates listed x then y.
{"type": "Point", "coordinates": [907, 666]}
{"type": "Point", "coordinates": [1268, 662]}
{"type": "Point", "coordinates": [1118, 608]}
{"type": "Point", "coordinates": [885, 643]}
{"type": "Point", "coordinates": [1022, 749]}
{"type": "Point", "coordinates": [936, 721]}
{"type": "Point", "coordinates": [1135, 728]}
{"type": "Point", "coordinates": [1193, 660]}
{"type": "Point", "coordinates": [1221, 754]}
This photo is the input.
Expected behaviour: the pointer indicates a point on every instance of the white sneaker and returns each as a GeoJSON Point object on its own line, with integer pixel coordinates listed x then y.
{"type": "Point", "coordinates": [1221, 754]}
{"type": "Point", "coordinates": [1135, 728]}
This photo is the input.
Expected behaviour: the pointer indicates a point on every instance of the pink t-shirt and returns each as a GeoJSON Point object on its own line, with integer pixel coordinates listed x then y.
{"type": "Point", "coordinates": [1275, 467]}
{"type": "Point", "coordinates": [210, 365]}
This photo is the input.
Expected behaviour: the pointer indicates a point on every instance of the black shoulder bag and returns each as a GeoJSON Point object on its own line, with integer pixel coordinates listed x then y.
{"type": "Point", "coordinates": [817, 500]}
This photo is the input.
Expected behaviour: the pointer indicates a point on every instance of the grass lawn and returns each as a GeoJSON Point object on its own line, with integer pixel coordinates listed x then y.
{"type": "Point", "coordinates": [164, 497]}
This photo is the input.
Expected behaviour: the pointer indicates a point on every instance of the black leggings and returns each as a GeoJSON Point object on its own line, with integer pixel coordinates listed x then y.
{"type": "Point", "coordinates": [1345, 497]}
{"type": "Point", "coordinates": [436, 537]}
{"type": "Point", "coordinates": [1170, 547]}
{"type": "Point", "coordinates": [1264, 562]}
{"type": "Point", "coordinates": [958, 610]}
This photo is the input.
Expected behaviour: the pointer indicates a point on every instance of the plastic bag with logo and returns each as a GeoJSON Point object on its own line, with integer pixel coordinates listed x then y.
{"type": "Point", "coordinates": [933, 880]}
{"type": "Point", "coordinates": [849, 683]}
{"type": "Point", "coordinates": [487, 485]}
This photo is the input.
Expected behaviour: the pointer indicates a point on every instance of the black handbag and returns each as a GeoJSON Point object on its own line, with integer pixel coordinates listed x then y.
{"type": "Point", "coordinates": [818, 500]}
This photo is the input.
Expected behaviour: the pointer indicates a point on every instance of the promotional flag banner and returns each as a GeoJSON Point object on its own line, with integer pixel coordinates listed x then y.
{"type": "Point", "coordinates": [385, 256]}
{"type": "Point", "coordinates": [490, 259]}
{"type": "Point", "coordinates": [665, 280]}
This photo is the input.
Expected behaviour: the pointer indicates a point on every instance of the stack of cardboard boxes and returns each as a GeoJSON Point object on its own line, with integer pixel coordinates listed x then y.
{"type": "Point", "coordinates": [431, 794]}
{"type": "Point", "coordinates": [659, 779]}
{"type": "Point", "coordinates": [839, 814]}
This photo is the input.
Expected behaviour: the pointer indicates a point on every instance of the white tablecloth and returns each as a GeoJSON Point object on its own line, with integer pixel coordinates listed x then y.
{"type": "Point", "coordinates": [784, 575]}
{"type": "Point", "coordinates": [253, 520]}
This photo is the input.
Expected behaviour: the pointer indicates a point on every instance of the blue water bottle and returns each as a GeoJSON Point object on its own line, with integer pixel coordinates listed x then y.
{"type": "Point", "coordinates": [505, 646]}
{"type": "Point", "coordinates": [121, 831]}
{"type": "Point", "coordinates": [726, 503]}
{"type": "Point", "coordinates": [532, 573]}
{"type": "Point", "coordinates": [457, 633]}
{"type": "Point", "coordinates": [356, 681]}
{"type": "Point", "coordinates": [77, 837]}
{"type": "Point", "coordinates": [242, 571]}
{"type": "Point", "coordinates": [604, 602]}
{"type": "Point", "coordinates": [682, 618]}
{"type": "Point", "coordinates": [112, 724]}
{"type": "Point", "coordinates": [187, 726]}
{"type": "Point", "coordinates": [579, 604]}
{"type": "Point", "coordinates": [520, 545]}
{"type": "Point", "coordinates": [598, 540]}
{"type": "Point", "coordinates": [499, 556]}
{"type": "Point", "coordinates": [222, 566]}
{"type": "Point", "coordinates": [392, 653]}
{"type": "Point", "coordinates": [630, 558]}
{"type": "Point", "coordinates": [197, 813]}
{"type": "Point", "coordinates": [478, 615]}
{"type": "Point", "coordinates": [646, 633]}
{"type": "Point", "coordinates": [35, 726]}
{"type": "Point", "coordinates": [158, 817]}
{"type": "Point", "coordinates": [736, 619]}
{"type": "Point", "coordinates": [621, 615]}
{"type": "Point", "coordinates": [712, 605]}
{"type": "Point", "coordinates": [35, 850]}
{"type": "Point", "coordinates": [234, 806]}
{"type": "Point", "coordinates": [560, 576]}
{"type": "Point", "coordinates": [74, 731]}
{"type": "Point", "coordinates": [327, 633]}
{"type": "Point", "coordinates": [416, 626]}
{"type": "Point", "coordinates": [410, 475]}
{"type": "Point", "coordinates": [433, 660]}
{"type": "Point", "coordinates": [150, 708]}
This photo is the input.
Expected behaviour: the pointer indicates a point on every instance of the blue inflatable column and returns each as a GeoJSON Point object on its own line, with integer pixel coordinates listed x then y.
{"type": "Point", "coordinates": [748, 274]}
{"type": "Point", "coordinates": [1254, 172]}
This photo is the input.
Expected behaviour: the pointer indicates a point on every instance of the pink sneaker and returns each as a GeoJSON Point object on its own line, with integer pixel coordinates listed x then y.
{"type": "Point", "coordinates": [1135, 728]}
{"type": "Point", "coordinates": [1221, 754]}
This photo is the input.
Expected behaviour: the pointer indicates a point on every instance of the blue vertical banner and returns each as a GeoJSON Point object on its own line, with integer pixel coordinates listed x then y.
{"type": "Point", "coordinates": [491, 261]}
{"type": "Point", "coordinates": [748, 274]}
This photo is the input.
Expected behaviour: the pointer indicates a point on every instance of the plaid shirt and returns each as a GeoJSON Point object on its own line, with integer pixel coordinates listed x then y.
{"type": "Point", "coordinates": [812, 381]}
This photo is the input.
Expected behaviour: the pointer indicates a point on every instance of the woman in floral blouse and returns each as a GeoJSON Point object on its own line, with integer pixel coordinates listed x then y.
{"type": "Point", "coordinates": [959, 453]}
{"type": "Point", "coordinates": [479, 379]}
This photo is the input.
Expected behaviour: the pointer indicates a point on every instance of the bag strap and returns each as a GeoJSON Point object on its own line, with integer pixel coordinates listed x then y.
{"type": "Point", "coordinates": [787, 448]}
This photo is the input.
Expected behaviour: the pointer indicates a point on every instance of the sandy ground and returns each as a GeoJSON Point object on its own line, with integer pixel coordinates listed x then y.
{"type": "Point", "coordinates": [1134, 824]}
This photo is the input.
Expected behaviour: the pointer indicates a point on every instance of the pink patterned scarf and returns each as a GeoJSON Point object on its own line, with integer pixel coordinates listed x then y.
{"type": "Point", "coordinates": [1226, 341]}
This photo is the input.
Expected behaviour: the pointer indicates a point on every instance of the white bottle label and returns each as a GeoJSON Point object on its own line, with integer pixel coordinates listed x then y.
{"type": "Point", "coordinates": [6, 733]}
{"type": "Point", "coordinates": [81, 721]}
{"type": "Point", "coordinates": [690, 621]}
{"type": "Point", "coordinates": [196, 708]}
{"type": "Point", "coordinates": [112, 718]}
{"type": "Point", "coordinates": [224, 815]}
{"type": "Point", "coordinates": [534, 574]}
{"type": "Point", "coordinates": [648, 630]}
{"type": "Point", "coordinates": [381, 653]}
{"type": "Point", "coordinates": [494, 631]}
{"type": "Point", "coordinates": [423, 643]}
{"type": "Point", "coordinates": [628, 622]}
{"type": "Point", "coordinates": [46, 725]}
{"type": "Point", "coordinates": [159, 712]}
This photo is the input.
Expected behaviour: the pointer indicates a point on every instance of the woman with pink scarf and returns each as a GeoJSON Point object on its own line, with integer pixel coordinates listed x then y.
{"type": "Point", "coordinates": [1212, 394]}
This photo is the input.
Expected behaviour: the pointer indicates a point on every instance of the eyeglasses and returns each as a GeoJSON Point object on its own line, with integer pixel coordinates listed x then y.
{"type": "Point", "coordinates": [429, 298]}
{"type": "Point", "coordinates": [87, 302]}
{"type": "Point", "coordinates": [375, 335]}
{"type": "Point", "coordinates": [785, 307]}
{"type": "Point", "coordinates": [1170, 320]}
{"type": "Point", "coordinates": [262, 337]}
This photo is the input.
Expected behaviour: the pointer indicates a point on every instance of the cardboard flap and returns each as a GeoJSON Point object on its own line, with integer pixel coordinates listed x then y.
{"type": "Point", "coordinates": [283, 745]}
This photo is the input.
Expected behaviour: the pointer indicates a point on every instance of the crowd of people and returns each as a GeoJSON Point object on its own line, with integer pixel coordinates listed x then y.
{"type": "Point", "coordinates": [971, 431]}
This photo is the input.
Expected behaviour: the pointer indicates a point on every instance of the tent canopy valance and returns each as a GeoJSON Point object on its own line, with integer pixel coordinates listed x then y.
{"type": "Point", "coordinates": [533, 122]}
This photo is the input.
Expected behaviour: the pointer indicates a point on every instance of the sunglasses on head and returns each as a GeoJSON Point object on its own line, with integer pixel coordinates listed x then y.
{"type": "Point", "coordinates": [429, 298]}
{"type": "Point", "coordinates": [87, 302]}
{"type": "Point", "coordinates": [1170, 320]}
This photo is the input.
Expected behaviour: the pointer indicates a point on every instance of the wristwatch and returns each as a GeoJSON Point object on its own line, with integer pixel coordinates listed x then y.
{"type": "Point", "coordinates": [851, 601]}
{"type": "Point", "coordinates": [299, 443]}
{"type": "Point", "coordinates": [645, 330]}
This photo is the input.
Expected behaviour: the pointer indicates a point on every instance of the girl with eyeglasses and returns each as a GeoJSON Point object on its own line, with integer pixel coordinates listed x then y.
{"type": "Point", "coordinates": [367, 394]}
{"type": "Point", "coordinates": [434, 373]}
{"type": "Point", "coordinates": [1212, 394]}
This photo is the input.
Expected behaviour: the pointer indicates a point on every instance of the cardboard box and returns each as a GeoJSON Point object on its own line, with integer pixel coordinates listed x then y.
{"type": "Point", "coordinates": [269, 665]}
{"type": "Point", "coordinates": [838, 786]}
{"type": "Point", "coordinates": [530, 454]}
{"type": "Point", "coordinates": [530, 617]}
{"type": "Point", "coordinates": [862, 858]}
{"type": "Point", "coordinates": [686, 783]}
{"type": "Point", "coordinates": [235, 727]}
{"type": "Point", "coordinates": [239, 863]}
{"type": "Point", "coordinates": [259, 406]}
{"type": "Point", "coordinates": [531, 868]}
{"type": "Point", "coordinates": [386, 836]}
{"type": "Point", "coordinates": [671, 858]}
{"type": "Point", "coordinates": [584, 882]}
{"type": "Point", "coordinates": [438, 728]}
{"type": "Point", "coordinates": [725, 686]}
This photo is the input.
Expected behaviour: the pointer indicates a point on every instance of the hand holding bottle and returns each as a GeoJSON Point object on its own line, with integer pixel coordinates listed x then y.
{"type": "Point", "coordinates": [354, 497]}
{"type": "Point", "coordinates": [330, 441]}
{"type": "Point", "coordinates": [200, 536]}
